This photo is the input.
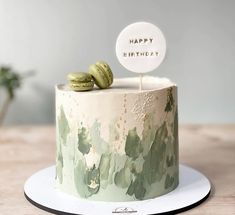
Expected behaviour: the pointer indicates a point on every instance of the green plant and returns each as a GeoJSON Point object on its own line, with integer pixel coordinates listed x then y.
{"type": "Point", "coordinates": [10, 81]}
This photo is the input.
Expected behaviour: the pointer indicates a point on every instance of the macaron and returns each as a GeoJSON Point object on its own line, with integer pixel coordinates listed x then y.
{"type": "Point", "coordinates": [80, 81]}
{"type": "Point", "coordinates": [102, 74]}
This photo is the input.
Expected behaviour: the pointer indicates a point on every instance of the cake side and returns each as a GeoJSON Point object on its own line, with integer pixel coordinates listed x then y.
{"type": "Point", "coordinates": [117, 146]}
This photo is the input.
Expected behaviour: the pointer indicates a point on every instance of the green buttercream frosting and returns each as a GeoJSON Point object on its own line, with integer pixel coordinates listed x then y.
{"type": "Point", "coordinates": [63, 126]}
{"type": "Point", "coordinates": [133, 146]}
{"type": "Point", "coordinates": [83, 141]}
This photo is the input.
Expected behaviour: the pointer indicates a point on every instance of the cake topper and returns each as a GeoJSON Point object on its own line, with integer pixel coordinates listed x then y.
{"type": "Point", "coordinates": [141, 48]}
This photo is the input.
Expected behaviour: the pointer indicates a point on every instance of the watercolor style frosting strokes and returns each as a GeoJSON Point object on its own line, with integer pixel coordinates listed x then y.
{"type": "Point", "coordinates": [118, 144]}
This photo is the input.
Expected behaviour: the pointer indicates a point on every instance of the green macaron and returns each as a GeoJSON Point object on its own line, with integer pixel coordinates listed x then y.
{"type": "Point", "coordinates": [80, 81]}
{"type": "Point", "coordinates": [102, 74]}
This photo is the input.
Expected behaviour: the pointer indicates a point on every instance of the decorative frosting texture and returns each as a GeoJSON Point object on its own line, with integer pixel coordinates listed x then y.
{"type": "Point", "coordinates": [117, 144]}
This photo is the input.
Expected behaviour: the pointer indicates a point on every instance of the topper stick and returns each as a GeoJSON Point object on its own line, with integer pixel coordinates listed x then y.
{"type": "Point", "coordinates": [141, 82]}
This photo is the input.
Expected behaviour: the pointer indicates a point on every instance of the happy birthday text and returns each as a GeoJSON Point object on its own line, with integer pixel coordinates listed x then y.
{"type": "Point", "coordinates": [140, 41]}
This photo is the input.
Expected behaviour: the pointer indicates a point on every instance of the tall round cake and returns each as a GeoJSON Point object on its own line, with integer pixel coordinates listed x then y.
{"type": "Point", "coordinates": [118, 144]}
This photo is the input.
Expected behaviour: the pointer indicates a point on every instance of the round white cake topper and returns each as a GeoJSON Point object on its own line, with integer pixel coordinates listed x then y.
{"type": "Point", "coordinates": [141, 47]}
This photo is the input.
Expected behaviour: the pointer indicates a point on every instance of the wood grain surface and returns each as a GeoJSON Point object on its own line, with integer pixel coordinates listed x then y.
{"type": "Point", "coordinates": [207, 148]}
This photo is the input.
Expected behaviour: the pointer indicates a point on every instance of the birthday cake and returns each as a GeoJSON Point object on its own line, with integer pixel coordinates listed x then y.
{"type": "Point", "coordinates": [118, 144]}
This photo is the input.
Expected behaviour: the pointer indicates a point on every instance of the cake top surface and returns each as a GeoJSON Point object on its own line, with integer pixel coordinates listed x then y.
{"type": "Point", "coordinates": [130, 85]}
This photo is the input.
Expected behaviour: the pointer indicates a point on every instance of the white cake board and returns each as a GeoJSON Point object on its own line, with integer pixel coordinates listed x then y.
{"type": "Point", "coordinates": [193, 189]}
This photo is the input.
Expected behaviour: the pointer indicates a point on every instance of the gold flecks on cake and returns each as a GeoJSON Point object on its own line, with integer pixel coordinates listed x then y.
{"type": "Point", "coordinates": [143, 104]}
{"type": "Point", "coordinates": [123, 113]}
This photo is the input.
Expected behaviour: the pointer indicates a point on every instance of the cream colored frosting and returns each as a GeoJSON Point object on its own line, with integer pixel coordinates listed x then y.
{"type": "Point", "coordinates": [119, 128]}
{"type": "Point", "coordinates": [131, 84]}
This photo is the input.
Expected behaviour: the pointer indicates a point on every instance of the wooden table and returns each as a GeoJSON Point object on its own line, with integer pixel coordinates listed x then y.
{"type": "Point", "coordinates": [208, 148]}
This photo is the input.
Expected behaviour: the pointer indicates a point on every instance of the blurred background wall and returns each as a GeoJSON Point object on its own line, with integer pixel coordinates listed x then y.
{"type": "Point", "coordinates": [54, 37]}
